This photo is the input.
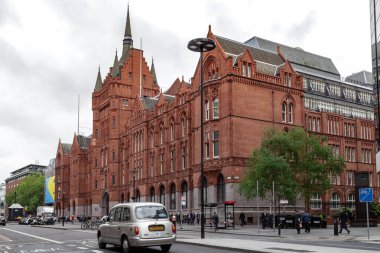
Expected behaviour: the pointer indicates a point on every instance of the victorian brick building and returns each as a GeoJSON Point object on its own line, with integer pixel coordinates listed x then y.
{"type": "Point", "coordinates": [146, 143]}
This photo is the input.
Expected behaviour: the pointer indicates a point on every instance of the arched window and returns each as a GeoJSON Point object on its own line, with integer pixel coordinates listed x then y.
{"type": "Point", "coordinates": [351, 201]}
{"type": "Point", "coordinates": [284, 112]}
{"type": "Point", "coordinates": [152, 194]}
{"type": "Point", "coordinates": [215, 105]}
{"type": "Point", "coordinates": [184, 193]}
{"type": "Point", "coordinates": [204, 191]}
{"type": "Point", "coordinates": [183, 126]}
{"type": "Point", "coordinates": [221, 189]}
{"type": "Point", "coordinates": [161, 134]}
{"type": "Point", "coordinates": [162, 194]}
{"type": "Point", "coordinates": [290, 113]}
{"type": "Point", "coordinates": [334, 201]}
{"type": "Point", "coordinates": [152, 138]}
{"type": "Point", "coordinates": [207, 110]}
{"type": "Point", "coordinates": [172, 197]}
{"type": "Point", "coordinates": [316, 201]}
{"type": "Point", "coordinates": [172, 131]}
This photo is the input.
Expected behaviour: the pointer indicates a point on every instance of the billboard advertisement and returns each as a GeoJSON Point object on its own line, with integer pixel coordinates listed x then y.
{"type": "Point", "coordinates": [50, 183]}
{"type": "Point", "coordinates": [49, 190]}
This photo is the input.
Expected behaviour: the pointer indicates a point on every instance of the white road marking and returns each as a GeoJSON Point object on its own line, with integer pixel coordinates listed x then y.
{"type": "Point", "coordinates": [86, 231]}
{"type": "Point", "coordinates": [38, 237]}
{"type": "Point", "coordinates": [5, 238]}
{"type": "Point", "coordinates": [82, 248]}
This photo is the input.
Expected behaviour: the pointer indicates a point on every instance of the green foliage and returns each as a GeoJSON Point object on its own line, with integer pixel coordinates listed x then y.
{"type": "Point", "coordinates": [295, 161]}
{"type": "Point", "coordinates": [29, 193]}
{"type": "Point", "coordinates": [375, 209]}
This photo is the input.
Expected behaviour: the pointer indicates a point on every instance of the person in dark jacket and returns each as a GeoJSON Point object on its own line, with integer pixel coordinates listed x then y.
{"type": "Point", "coordinates": [298, 222]}
{"type": "Point", "coordinates": [306, 218]}
{"type": "Point", "coordinates": [343, 219]}
{"type": "Point", "coordinates": [242, 219]}
{"type": "Point", "coordinates": [215, 221]}
{"type": "Point", "coordinates": [264, 219]}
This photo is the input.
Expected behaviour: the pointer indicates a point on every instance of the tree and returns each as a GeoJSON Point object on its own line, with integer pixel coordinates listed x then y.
{"type": "Point", "coordinates": [30, 192]}
{"type": "Point", "coordinates": [297, 162]}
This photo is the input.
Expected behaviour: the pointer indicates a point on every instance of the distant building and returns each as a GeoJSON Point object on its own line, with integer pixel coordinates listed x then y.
{"type": "Point", "coordinates": [18, 175]}
{"type": "Point", "coordinates": [2, 199]}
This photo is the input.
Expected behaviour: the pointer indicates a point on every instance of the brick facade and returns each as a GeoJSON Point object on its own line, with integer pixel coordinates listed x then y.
{"type": "Point", "coordinates": [146, 144]}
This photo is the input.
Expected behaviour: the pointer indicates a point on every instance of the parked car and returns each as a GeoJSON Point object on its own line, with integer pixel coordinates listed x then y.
{"type": "Point", "coordinates": [3, 221]}
{"type": "Point", "coordinates": [134, 225]}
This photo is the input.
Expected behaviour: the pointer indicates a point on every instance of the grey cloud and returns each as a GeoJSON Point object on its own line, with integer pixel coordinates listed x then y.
{"type": "Point", "coordinates": [297, 32]}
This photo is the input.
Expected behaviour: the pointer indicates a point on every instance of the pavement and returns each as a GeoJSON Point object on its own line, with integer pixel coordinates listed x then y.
{"type": "Point", "coordinates": [252, 239]}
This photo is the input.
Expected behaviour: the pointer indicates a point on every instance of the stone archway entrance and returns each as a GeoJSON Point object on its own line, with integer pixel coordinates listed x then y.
{"type": "Point", "coordinates": [105, 204]}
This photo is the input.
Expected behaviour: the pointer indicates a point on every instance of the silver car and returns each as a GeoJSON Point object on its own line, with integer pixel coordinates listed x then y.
{"type": "Point", "coordinates": [133, 225]}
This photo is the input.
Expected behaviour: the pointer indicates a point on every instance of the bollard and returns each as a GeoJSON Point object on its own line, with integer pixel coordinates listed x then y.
{"type": "Point", "coordinates": [336, 227]}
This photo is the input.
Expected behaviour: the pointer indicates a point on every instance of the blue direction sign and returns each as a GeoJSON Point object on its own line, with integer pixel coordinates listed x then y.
{"type": "Point", "coordinates": [366, 195]}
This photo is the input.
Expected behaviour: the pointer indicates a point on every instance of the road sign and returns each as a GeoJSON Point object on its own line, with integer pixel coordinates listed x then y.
{"type": "Point", "coordinates": [365, 195]}
{"type": "Point", "coordinates": [284, 201]}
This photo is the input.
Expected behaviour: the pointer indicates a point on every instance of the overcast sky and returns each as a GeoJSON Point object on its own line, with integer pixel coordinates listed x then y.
{"type": "Point", "coordinates": [50, 51]}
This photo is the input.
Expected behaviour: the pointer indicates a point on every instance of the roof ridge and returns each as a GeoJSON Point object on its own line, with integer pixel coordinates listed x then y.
{"type": "Point", "coordinates": [294, 48]}
{"type": "Point", "coordinates": [243, 44]}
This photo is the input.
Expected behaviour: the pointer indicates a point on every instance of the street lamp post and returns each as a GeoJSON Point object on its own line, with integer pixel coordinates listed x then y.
{"type": "Point", "coordinates": [133, 184]}
{"type": "Point", "coordinates": [201, 45]}
{"type": "Point", "coordinates": [15, 196]}
{"type": "Point", "coordinates": [63, 209]}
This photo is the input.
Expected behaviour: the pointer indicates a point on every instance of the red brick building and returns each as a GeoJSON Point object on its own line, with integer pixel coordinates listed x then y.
{"type": "Point", "coordinates": [146, 143]}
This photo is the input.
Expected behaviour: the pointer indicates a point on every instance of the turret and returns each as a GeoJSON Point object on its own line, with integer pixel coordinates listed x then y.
{"type": "Point", "coordinates": [115, 69]}
{"type": "Point", "coordinates": [99, 83]}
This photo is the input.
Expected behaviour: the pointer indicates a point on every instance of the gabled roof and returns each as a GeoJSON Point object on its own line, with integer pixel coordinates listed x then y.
{"type": "Point", "coordinates": [237, 48]}
{"type": "Point", "coordinates": [66, 148]}
{"type": "Point", "coordinates": [295, 55]}
{"type": "Point", "coordinates": [83, 141]}
{"type": "Point", "coordinates": [174, 88]}
{"type": "Point", "coordinates": [149, 103]}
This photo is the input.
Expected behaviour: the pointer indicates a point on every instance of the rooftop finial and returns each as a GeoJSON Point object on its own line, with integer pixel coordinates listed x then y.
{"type": "Point", "coordinates": [98, 83]}
{"type": "Point", "coordinates": [127, 41]}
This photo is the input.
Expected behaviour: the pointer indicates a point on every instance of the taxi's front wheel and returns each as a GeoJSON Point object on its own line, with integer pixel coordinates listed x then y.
{"type": "Point", "coordinates": [101, 244]}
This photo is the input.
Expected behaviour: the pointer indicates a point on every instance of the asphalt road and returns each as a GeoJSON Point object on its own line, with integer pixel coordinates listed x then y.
{"type": "Point", "coordinates": [27, 239]}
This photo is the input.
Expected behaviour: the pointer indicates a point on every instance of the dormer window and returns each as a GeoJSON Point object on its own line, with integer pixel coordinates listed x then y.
{"type": "Point", "coordinates": [244, 69]}
{"type": "Point", "coordinates": [249, 70]}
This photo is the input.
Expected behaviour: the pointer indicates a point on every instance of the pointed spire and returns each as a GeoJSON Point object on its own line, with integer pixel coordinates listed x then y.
{"type": "Point", "coordinates": [99, 83]}
{"type": "Point", "coordinates": [115, 69]}
{"type": "Point", "coordinates": [127, 41]}
{"type": "Point", "coordinates": [153, 71]}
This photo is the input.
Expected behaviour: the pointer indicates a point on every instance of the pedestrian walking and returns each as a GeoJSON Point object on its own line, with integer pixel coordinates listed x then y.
{"type": "Point", "coordinates": [306, 218]}
{"type": "Point", "coordinates": [343, 219]}
{"type": "Point", "coordinates": [215, 221]}
{"type": "Point", "coordinates": [198, 218]}
{"type": "Point", "coordinates": [242, 219]}
{"type": "Point", "coordinates": [298, 221]}
{"type": "Point", "coordinates": [264, 219]}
